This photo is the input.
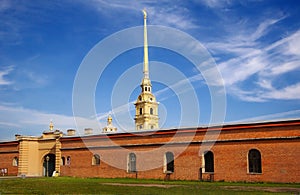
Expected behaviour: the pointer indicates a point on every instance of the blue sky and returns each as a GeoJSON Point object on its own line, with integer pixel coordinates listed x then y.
{"type": "Point", "coordinates": [255, 44]}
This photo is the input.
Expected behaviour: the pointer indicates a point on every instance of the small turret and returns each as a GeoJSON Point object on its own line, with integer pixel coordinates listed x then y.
{"type": "Point", "coordinates": [109, 128]}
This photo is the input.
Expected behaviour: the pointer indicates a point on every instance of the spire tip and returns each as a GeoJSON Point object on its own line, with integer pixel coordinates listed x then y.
{"type": "Point", "coordinates": [145, 13]}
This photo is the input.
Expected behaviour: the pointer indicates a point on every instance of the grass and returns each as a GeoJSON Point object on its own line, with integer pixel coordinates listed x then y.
{"type": "Point", "coordinates": [68, 185]}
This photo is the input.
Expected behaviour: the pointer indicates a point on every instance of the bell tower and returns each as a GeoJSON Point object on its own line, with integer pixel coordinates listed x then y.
{"type": "Point", "coordinates": [146, 106]}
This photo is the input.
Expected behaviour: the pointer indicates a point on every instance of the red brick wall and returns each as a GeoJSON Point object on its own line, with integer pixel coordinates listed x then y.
{"type": "Point", "coordinates": [8, 151]}
{"type": "Point", "coordinates": [279, 161]}
{"type": "Point", "coordinates": [280, 155]}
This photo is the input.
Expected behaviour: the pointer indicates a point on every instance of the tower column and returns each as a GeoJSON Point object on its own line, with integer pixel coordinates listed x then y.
{"type": "Point", "coordinates": [57, 156]}
{"type": "Point", "coordinates": [23, 157]}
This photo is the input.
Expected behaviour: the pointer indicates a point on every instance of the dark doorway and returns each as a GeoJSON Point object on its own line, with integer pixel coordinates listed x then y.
{"type": "Point", "coordinates": [49, 165]}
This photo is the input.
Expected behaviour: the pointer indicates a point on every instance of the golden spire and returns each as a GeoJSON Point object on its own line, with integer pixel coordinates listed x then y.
{"type": "Point", "coordinates": [51, 125]}
{"type": "Point", "coordinates": [146, 61]}
{"type": "Point", "coordinates": [146, 106]}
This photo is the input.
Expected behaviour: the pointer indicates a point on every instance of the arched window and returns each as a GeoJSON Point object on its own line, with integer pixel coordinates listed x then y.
{"type": "Point", "coordinates": [169, 162]}
{"type": "Point", "coordinates": [131, 162]}
{"type": "Point", "coordinates": [254, 161]}
{"type": "Point", "coordinates": [209, 161]}
{"type": "Point", "coordinates": [151, 111]}
{"type": "Point", "coordinates": [68, 160]}
{"type": "Point", "coordinates": [145, 88]}
{"type": "Point", "coordinates": [15, 162]}
{"type": "Point", "coordinates": [62, 161]}
{"type": "Point", "coordinates": [96, 160]}
{"type": "Point", "coordinates": [141, 110]}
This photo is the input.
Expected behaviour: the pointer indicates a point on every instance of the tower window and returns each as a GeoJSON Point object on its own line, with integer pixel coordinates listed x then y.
{"type": "Point", "coordinates": [145, 88]}
{"type": "Point", "coordinates": [140, 98]}
{"type": "Point", "coordinates": [209, 161]}
{"type": "Point", "coordinates": [254, 161]}
{"type": "Point", "coordinates": [151, 110]}
{"type": "Point", "coordinates": [141, 110]}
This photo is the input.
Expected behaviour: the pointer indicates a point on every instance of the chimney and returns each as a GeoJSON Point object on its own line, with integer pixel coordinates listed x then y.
{"type": "Point", "coordinates": [88, 131]}
{"type": "Point", "coordinates": [17, 136]}
{"type": "Point", "coordinates": [71, 132]}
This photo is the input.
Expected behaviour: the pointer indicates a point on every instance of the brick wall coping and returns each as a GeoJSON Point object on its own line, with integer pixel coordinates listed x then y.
{"type": "Point", "coordinates": [184, 142]}
{"type": "Point", "coordinates": [9, 143]}
{"type": "Point", "coordinates": [193, 130]}
{"type": "Point", "coordinates": [9, 151]}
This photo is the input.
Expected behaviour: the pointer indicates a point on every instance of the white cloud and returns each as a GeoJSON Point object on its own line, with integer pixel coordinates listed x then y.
{"type": "Point", "coordinates": [215, 3]}
{"type": "Point", "coordinates": [165, 13]}
{"type": "Point", "coordinates": [294, 44]}
{"type": "Point", "coordinates": [266, 84]}
{"type": "Point", "coordinates": [276, 116]}
{"type": "Point", "coordinates": [285, 67]}
{"type": "Point", "coordinates": [3, 73]}
{"type": "Point", "coordinates": [20, 78]}
{"type": "Point", "coordinates": [10, 26]}
{"type": "Point", "coordinates": [174, 16]}
{"type": "Point", "coordinates": [34, 122]}
{"type": "Point", "coordinates": [116, 111]}
{"type": "Point", "coordinates": [290, 92]}
{"type": "Point", "coordinates": [263, 28]}
{"type": "Point", "coordinates": [250, 62]}
{"type": "Point", "coordinates": [239, 69]}
{"type": "Point", "coordinates": [2, 123]}
{"type": "Point", "coordinates": [30, 79]}
{"type": "Point", "coordinates": [4, 5]}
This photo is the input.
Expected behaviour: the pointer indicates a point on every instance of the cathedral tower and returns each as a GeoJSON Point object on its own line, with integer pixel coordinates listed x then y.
{"type": "Point", "coordinates": [146, 106]}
